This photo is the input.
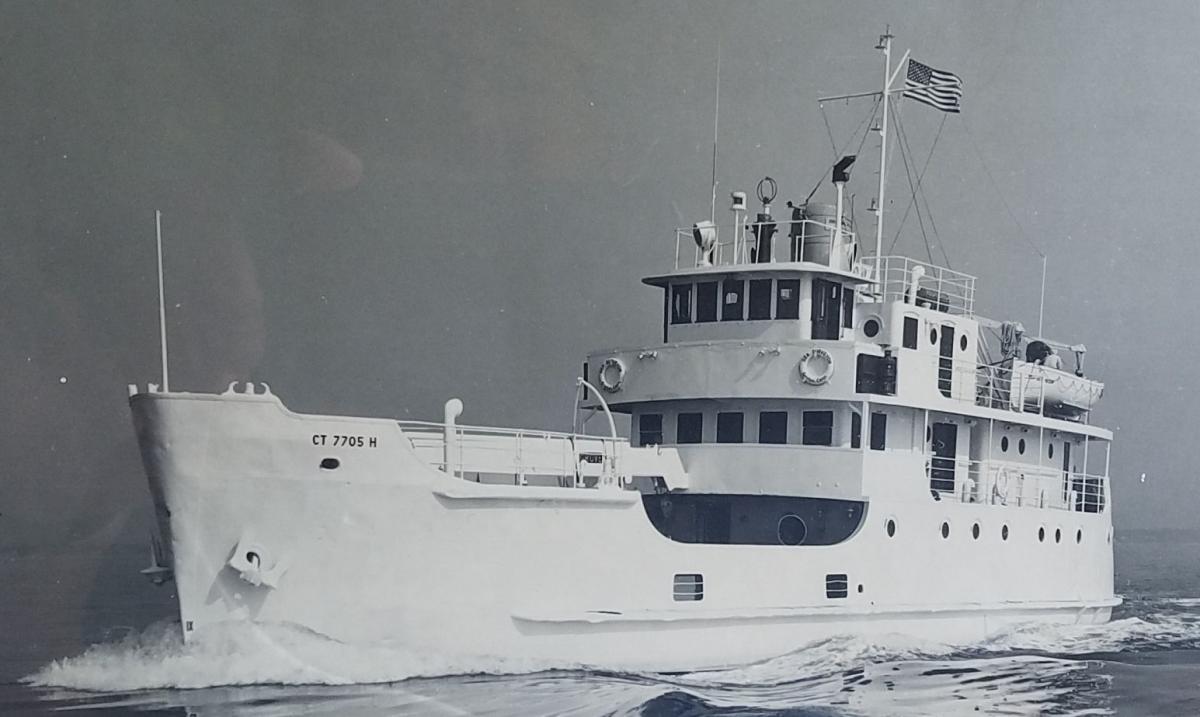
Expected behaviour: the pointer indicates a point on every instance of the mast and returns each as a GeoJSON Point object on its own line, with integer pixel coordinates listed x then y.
{"type": "Point", "coordinates": [162, 306]}
{"type": "Point", "coordinates": [885, 44]}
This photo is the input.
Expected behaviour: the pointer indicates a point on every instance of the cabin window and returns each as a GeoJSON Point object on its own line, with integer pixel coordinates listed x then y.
{"type": "Point", "coordinates": [818, 428]}
{"type": "Point", "coordinates": [910, 332]}
{"type": "Point", "coordinates": [706, 302]}
{"type": "Point", "coordinates": [729, 427]}
{"type": "Point", "coordinates": [772, 427]}
{"type": "Point", "coordinates": [787, 299]}
{"type": "Point", "coordinates": [848, 307]}
{"type": "Point", "coordinates": [760, 299]}
{"type": "Point", "coordinates": [689, 428]}
{"type": "Point", "coordinates": [732, 291]}
{"type": "Point", "coordinates": [826, 310]}
{"type": "Point", "coordinates": [681, 304]}
{"type": "Point", "coordinates": [650, 431]}
{"type": "Point", "coordinates": [855, 430]}
{"type": "Point", "coordinates": [878, 431]}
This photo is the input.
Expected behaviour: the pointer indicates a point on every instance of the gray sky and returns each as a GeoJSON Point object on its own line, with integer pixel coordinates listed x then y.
{"type": "Point", "coordinates": [375, 207]}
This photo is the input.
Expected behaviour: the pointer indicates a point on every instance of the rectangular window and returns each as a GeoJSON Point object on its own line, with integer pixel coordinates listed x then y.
{"type": "Point", "coordinates": [855, 430]}
{"type": "Point", "coordinates": [772, 427]}
{"type": "Point", "coordinates": [910, 332]}
{"type": "Point", "coordinates": [732, 300]}
{"type": "Point", "coordinates": [729, 427]}
{"type": "Point", "coordinates": [787, 299]}
{"type": "Point", "coordinates": [818, 428]}
{"type": "Point", "coordinates": [681, 304]}
{"type": "Point", "coordinates": [689, 428]}
{"type": "Point", "coordinates": [650, 429]}
{"type": "Point", "coordinates": [848, 307]}
{"type": "Point", "coordinates": [706, 302]}
{"type": "Point", "coordinates": [878, 431]}
{"type": "Point", "coordinates": [760, 299]}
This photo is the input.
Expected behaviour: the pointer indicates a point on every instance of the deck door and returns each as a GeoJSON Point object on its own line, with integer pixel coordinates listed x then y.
{"type": "Point", "coordinates": [945, 449]}
{"type": "Point", "coordinates": [826, 310]}
{"type": "Point", "coordinates": [946, 361]}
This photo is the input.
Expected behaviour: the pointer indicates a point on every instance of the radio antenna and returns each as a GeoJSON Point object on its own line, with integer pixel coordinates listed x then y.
{"type": "Point", "coordinates": [162, 306]}
{"type": "Point", "coordinates": [712, 213]}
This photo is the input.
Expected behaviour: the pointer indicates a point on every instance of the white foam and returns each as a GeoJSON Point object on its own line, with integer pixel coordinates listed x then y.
{"type": "Point", "coordinates": [249, 655]}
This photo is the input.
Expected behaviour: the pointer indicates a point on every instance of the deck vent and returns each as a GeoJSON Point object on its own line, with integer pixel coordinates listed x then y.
{"type": "Point", "coordinates": [689, 587]}
{"type": "Point", "coordinates": [837, 585]}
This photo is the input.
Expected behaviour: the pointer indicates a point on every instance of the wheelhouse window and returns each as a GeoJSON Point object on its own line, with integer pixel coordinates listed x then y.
{"type": "Point", "coordinates": [689, 428]}
{"type": "Point", "coordinates": [733, 300]}
{"type": "Point", "coordinates": [855, 430]}
{"type": "Point", "coordinates": [910, 332]}
{"type": "Point", "coordinates": [650, 431]}
{"type": "Point", "coordinates": [681, 304]}
{"type": "Point", "coordinates": [729, 427]}
{"type": "Point", "coordinates": [706, 301]}
{"type": "Point", "coordinates": [787, 299]}
{"type": "Point", "coordinates": [878, 431]}
{"type": "Point", "coordinates": [818, 428]}
{"type": "Point", "coordinates": [772, 427]}
{"type": "Point", "coordinates": [760, 299]}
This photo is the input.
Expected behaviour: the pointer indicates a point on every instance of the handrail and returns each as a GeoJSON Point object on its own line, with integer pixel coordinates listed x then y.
{"type": "Point", "coordinates": [1012, 483]}
{"type": "Point", "coordinates": [906, 279]}
{"type": "Point", "coordinates": [1017, 386]}
{"type": "Point", "coordinates": [737, 244]}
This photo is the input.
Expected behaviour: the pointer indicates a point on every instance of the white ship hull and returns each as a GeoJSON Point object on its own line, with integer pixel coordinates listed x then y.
{"type": "Point", "coordinates": [387, 549]}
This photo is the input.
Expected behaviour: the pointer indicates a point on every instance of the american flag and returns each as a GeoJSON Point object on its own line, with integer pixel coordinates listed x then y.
{"type": "Point", "coordinates": [935, 88]}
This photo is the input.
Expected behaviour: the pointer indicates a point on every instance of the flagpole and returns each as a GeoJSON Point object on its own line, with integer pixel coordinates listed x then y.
{"type": "Point", "coordinates": [162, 306]}
{"type": "Point", "coordinates": [885, 44]}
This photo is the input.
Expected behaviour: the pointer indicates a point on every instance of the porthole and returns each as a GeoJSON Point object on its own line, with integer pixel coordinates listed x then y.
{"type": "Point", "coordinates": [1078, 536]}
{"type": "Point", "coordinates": [945, 530]}
{"type": "Point", "coordinates": [933, 336]}
{"type": "Point", "coordinates": [1058, 535]}
{"type": "Point", "coordinates": [975, 531]}
{"type": "Point", "coordinates": [1050, 450]}
{"type": "Point", "coordinates": [891, 528]}
{"type": "Point", "coordinates": [860, 588]}
{"type": "Point", "coordinates": [791, 530]}
{"type": "Point", "coordinates": [1004, 444]}
{"type": "Point", "coordinates": [871, 328]}
{"type": "Point", "coordinates": [1021, 446]}
{"type": "Point", "coordinates": [1041, 535]}
{"type": "Point", "coordinates": [962, 343]}
{"type": "Point", "coordinates": [1004, 532]}
{"type": "Point", "coordinates": [330, 463]}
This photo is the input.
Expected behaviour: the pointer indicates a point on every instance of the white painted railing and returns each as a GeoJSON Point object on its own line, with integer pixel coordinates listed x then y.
{"type": "Point", "coordinates": [1011, 483]}
{"type": "Point", "coordinates": [794, 240]}
{"type": "Point", "coordinates": [1018, 386]}
{"type": "Point", "coordinates": [906, 279]}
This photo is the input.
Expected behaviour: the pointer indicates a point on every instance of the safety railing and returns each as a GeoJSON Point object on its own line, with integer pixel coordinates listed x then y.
{"type": "Point", "coordinates": [1010, 483]}
{"type": "Point", "coordinates": [778, 240]}
{"type": "Point", "coordinates": [483, 453]}
{"type": "Point", "coordinates": [916, 282]}
{"type": "Point", "coordinates": [1019, 386]}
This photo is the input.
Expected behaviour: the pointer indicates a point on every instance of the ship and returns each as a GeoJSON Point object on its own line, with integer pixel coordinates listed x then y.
{"type": "Point", "coordinates": [826, 442]}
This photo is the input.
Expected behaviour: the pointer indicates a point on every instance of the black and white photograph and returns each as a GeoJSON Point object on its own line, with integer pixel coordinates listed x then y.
{"type": "Point", "coordinates": [652, 358]}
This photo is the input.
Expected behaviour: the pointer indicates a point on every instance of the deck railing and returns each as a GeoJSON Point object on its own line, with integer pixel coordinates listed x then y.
{"type": "Point", "coordinates": [1014, 385]}
{"type": "Point", "coordinates": [995, 482]}
{"type": "Point", "coordinates": [489, 454]}
{"type": "Point", "coordinates": [905, 279]}
{"type": "Point", "coordinates": [793, 240]}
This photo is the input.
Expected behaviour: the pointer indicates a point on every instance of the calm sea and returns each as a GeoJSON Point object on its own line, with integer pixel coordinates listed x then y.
{"type": "Point", "coordinates": [88, 635]}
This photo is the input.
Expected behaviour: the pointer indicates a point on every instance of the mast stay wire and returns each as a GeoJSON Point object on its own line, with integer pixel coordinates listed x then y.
{"type": "Point", "coordinates": [918, 194]}
{"type": "Point", "coordinates": [987, 171]}
{"type": "Point", "coordinates": [836, 152]}
{"type": "Point", "coordinates": [905, 150]}
{"type": "Point", "coordinates": [920, 180]}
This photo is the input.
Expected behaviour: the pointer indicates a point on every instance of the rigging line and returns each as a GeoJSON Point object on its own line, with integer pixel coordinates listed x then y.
{"type": "Point", "coordinates": [922, 194]}
{"type": "Point", "coordinates": [920, 179]}
{"type": "Point", "coordinates": [829, 131]}
{"type": "Point", "coordinates": [988, 172]}
{"type": "Point", "coordinates": [862, 122]}
{"type": "Point", "coordinates": [905, 150]}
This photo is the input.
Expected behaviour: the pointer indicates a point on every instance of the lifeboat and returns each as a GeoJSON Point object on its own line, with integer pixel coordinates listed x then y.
{"type": "Point", "coordinates": [1052, 391]}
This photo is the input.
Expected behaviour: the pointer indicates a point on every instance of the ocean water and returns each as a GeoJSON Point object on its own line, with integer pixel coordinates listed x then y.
{"type": "Point", "coordinates": [117, 651]}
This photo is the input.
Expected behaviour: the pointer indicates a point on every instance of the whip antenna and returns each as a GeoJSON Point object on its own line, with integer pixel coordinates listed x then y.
{"type": "Point", "coordinates": [162, 306]}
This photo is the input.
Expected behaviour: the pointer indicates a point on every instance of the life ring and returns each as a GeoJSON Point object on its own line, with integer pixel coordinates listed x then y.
{"type": "Point", "coordinates": [816, 367]}
{"type": "Point", "coordinates": [1000, 487]}
{"type": "Point", "coordinates": [612, 374]}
